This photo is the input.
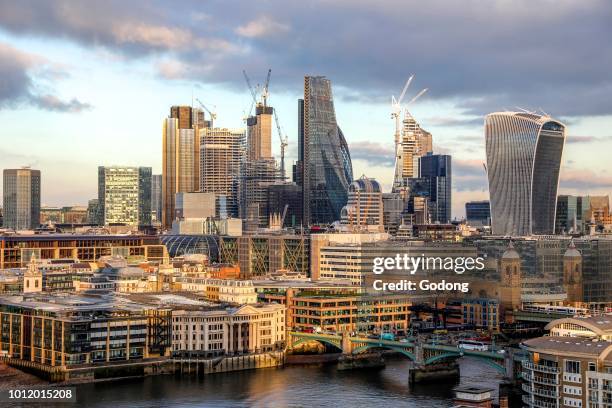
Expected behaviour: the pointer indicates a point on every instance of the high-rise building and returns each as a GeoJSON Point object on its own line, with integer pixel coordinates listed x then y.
{"type": "Point", "coordinates": [325, 162]}
{"type": "Point", "coordinates": [364, 210]}
{"type": "Point", "coordinates": [478, 213]}
{"type": "Point", "coordinates": [156, 199]}
{"type": "Point", "coordinates": [414, 142]}
{"type": "Point", "coordinates": [221, 155]}
{"type": "Point", "coordinates": [180, 155]}
{"type": "Point", "coordinates": [124, 195]}
{"type": "Point", "coordinates": [523, 160]}
{"type": "Point", "coordinates": [437, 169]}
{"type": "Point", "coordinates": [259, 133]}
{"type": "Point", "coordinates": [394, 208]}
{"type": "Point", "coordinates": [286, 194]}
{"type": "Point", "coordinates": [93, 212]}
{"type": "Point", "coordinates": [21, 198]}
{"type": "Point", "coordinates": [259, 171]}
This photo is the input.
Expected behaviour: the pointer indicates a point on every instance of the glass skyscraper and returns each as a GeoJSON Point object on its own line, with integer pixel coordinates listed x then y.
{"type": "Point", "coordinates": [437, 169]}
{"type": "Point", "coordinates": [523, 159]}
{"type": "Point", "coordinates": [324, 159]}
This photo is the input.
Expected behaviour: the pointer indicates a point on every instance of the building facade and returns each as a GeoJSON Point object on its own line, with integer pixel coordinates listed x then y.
{"type": "Point", "coordinates": [364, 210]}
{"type": "Point", "coordinates": [325, 161]}
{"type": "Point", "coordinates": [124, 195]}
{"type": "Point", "coordinates": [523, 163]}
{"type": "Point", "coordinates": [181, 136]}
{"type": "Point", "coordinates": [438, 170]}
{"type": "Point", "coordinates": [221, 155]}
{"type": "Point", "coordinates": [478, 213]}
{"type": "Point", "coordinates": [156, 199]}
{"type": "Point", "coordinates": [21, 198]}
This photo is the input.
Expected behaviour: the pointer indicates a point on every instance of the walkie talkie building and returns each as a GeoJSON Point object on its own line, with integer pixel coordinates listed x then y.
{"type": "Point", "coordinates": [523, 158]}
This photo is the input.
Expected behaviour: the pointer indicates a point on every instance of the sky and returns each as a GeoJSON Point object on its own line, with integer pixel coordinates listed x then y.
{"type": "Point", "coordinates": [84, 84]}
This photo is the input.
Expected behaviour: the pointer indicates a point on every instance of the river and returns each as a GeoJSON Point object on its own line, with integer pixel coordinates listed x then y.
{"type": "Point", "coordinates": [291, 386]}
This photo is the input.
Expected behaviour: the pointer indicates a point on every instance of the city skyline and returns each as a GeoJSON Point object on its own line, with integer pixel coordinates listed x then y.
{"type": "Point", "coordinates": [80, 123]}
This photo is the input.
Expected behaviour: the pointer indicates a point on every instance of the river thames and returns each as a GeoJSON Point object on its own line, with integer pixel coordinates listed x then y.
{"type": "Point", "coordinates": [291, 386]}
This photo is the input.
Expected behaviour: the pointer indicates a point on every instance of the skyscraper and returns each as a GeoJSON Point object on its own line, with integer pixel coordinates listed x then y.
{"type": "Point", "coordinates": [364, 210]}
{"type": "Point", "coordinates": [478, 213]}
{"type": "Point", "coordinates": [180, 155]}
{"type": "Point", "coordinates": [437, 169]}
{"type": "Point", "coordinates": [124, 195]}
{"type": "Point", "coordinates": [156, 199]}
{"type": "Point", "coordinates": [222, 152]}
{"type": "Point", "coordinates": [259, 171]}
{"type": "Point", "coordinates": [326, 164]}
{"type": "Point", "coordinates": [523, 160]}
{"type": "Point", "coordinates": [21, 198]}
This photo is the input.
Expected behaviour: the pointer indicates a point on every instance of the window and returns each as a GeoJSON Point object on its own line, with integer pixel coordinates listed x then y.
{"type": "Point", "coordinates": [572, 367]}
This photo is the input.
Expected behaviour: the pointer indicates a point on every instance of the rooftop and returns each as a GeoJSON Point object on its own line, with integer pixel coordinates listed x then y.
{"type": "Point", "coordinates": [567, 346]}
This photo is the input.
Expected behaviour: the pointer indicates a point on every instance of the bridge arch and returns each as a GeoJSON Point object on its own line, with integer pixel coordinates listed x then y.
{"type": "Point", "coordinates": [365, 347]}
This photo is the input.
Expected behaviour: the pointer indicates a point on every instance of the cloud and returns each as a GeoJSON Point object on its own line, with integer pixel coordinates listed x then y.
{"type": "Point", "coordinates": [585, 139]}
{"type": "Point", "coordinates": [533, 55]}
{"type": "Point", "coordinates": [263, 26]}
{"type": "Point", "coordinates": [19, 73]}
{"type": "Point", "coordinates": [375, 154]}
{"type": "Point", "coordinates": [584, 180]}
{"type": "Point", "coordinates": [53, 103]}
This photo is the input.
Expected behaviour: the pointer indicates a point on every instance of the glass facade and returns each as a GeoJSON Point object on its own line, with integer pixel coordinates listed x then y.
{"type": "Point", "coordinates": [437, 169]}
{"type": "Point", "coordinates": [326, 166]}
{"type": "Point", "coordinates": [478, 212]}
{"type": "Point", "coordinates": [523, 159]}
{"type": "Point", "coordinates": [124, 195]}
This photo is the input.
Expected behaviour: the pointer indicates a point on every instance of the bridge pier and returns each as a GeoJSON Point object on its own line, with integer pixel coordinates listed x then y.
{"type": "Point", "coordinates": [420, 373]}
{"type": "Point", "coordinates": [363, 360]}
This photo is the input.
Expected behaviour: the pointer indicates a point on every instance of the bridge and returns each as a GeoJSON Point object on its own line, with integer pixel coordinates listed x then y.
{"type": "Point", "coordinates": [422, 354]}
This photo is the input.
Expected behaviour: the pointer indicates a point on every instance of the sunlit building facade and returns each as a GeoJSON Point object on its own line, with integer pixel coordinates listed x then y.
{"type": "Point", "coordinates": [21, 198]}
{"type": "Point", "coordinates": [222, 152]}
{"type": "Point", "coordinates": [523, 161]}
{"type": "Point", "coordinates": [124, 195]}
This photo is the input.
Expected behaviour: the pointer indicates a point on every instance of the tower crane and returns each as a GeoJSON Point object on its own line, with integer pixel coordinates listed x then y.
{"type": "Point", "coordinates": [252, 90]}
{"type": "Point", "coordinates": [213, 116]}
{"type": "Point", "coordinates": [284, 142]}
{"type": "Point", "coordinates": [264, 92]}
{"type": "Point", "coordinates": [396, 113]}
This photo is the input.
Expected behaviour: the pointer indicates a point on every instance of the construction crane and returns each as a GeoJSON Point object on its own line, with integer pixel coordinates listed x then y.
{"type": "Point", "coordinates": [264, 92]}
{"type": "Point", "coordinates": [284, 142]}
{"type": "Point", "coordinates": [213, 116]}
{"type": "Point", "coordinates": [253, 93]}
{"type": "Point", "coordinates": [396, 113]}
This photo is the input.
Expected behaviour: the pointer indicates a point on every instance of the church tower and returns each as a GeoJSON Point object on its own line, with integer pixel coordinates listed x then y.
{"type": "Point", "coordinates": [572, 274]}
{"type": "Point", "coordinates": [32, 279]}
{"type": "Point", "coordinates": [510, 287]}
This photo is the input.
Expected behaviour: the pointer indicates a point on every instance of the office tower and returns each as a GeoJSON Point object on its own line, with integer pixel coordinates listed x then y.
{"type": "Point", "coordinates": [156, 199]}
{"type": "Point", "coordinates": [21, 198]}
{"type": "Point", "coordinates": [195, 205]}
{"type": "Point", "coordinates": [221, 155]}
{"type": "Point", "coordinates": [437, 169]}
{"type": "Point", "coordinates": [180, 155]}
{"type": "Point", "coordinates": [478, 213]}
{"type": "Point", "coordinates": [523, 161]}
{"type": "Point", "coordinates": [414, 143]}
{"type": "Point", "coordinates": [289, 195]}
{"type": "Point", "coordinates": [326, 162]}
{"type": "Point", "coordinates": [93, 212]}
{"type": "Point", "coordinates": [394, 208]}
{"type": "Point", "coordinates": [259, 171]}
{"type": "Point", "coordinates": [124, 195]}
{"type": "Point", "coordinates": [570, 214]}
{"type": "Point", "coordinates": [364, 209]}
{"type": "Point", "coordinates": [259, 133]}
